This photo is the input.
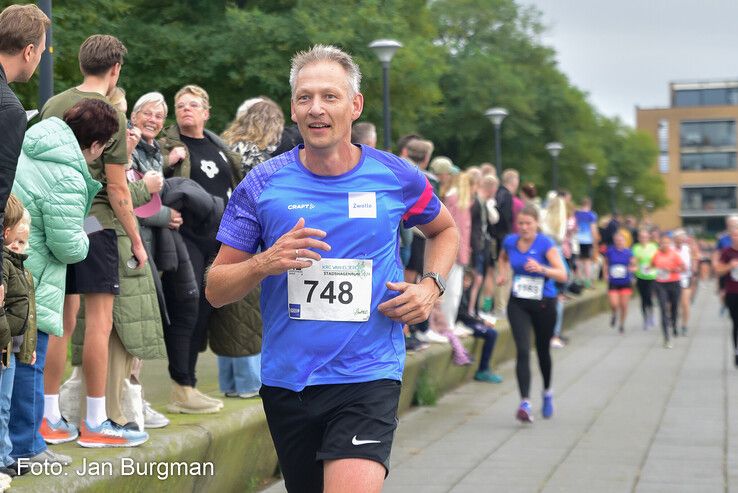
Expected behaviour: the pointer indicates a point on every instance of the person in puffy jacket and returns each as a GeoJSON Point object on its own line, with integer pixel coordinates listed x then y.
{"type": "Point", "coordinates": [54, 182]}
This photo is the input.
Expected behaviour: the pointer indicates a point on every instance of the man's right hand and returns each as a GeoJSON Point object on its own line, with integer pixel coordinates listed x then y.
{"type": "Point", "coordinates": [177, 155]}
{"type": "Point", "coordinates": [139, 252]}
{"type": "Point", "coordinates": [2, 295]}
{"type": "Point", "coordinates": [290, 251]}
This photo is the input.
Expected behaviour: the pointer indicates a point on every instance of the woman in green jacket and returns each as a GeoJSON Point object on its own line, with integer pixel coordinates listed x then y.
{"type": "Point", "coordinates": [55, 185]}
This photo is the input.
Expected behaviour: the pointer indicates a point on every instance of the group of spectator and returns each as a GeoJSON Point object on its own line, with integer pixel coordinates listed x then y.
{"type": "Point", "coordinates": [119, 216]}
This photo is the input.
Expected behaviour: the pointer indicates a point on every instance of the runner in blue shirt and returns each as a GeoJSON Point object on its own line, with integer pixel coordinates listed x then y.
{"type": "Point", "coordinates": [532, 262]}
{"type": "Point", "coordinates": [318, 229]}
{"type": "Point", "coordinates": [618, 267]}
{"type": "Point", "coordinates": [586, 236]}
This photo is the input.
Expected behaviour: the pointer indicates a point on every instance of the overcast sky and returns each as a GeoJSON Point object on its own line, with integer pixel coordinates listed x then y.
{"type": "Point", "coordinates": [624, 53]}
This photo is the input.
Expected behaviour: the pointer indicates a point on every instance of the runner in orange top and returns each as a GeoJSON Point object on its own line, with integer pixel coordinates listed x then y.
{"type": "Point", "coordinates": [669, 265]}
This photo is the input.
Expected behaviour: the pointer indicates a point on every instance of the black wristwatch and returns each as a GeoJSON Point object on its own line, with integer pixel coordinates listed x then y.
{"type": "Point", "coordinates": [438, 279]}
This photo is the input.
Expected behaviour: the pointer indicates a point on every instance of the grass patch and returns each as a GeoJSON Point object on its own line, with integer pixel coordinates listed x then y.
{"type": "Point", "coordinates": [426, 391]}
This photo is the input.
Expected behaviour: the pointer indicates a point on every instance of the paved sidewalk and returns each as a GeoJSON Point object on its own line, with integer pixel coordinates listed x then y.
{"type": "Point", "coordinates": [630, 416]}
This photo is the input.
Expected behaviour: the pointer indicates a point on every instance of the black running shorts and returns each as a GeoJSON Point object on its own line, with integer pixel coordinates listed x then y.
{"type": "Point", "coordinates": [324, 422]}
{"type": "Point", "coordinates": [98, 273]}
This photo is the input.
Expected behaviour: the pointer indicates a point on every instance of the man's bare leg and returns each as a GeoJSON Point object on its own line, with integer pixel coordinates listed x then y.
{"type": "Point", "coordinates": [355, 475]}
{"type": "Point", "coordinates": [56, 354]}
{"type": "Point", "coordinates": [98, 324]}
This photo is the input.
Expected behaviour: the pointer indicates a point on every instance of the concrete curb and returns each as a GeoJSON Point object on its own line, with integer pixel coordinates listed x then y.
{"type": "Point", "coordinates": [236, 441]}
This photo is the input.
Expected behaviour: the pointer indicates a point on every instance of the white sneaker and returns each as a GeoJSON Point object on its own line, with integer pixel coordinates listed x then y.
{"type": "Point", "coordinates": [153, 418]}
{"type": "Point", "coordinates": [434, 336]}
{"type": "Point", "coordinates": [5, 481]}
{"type": "Point", "coordinates": [422, 337]}
{"type": "Point", "coordinates": [488, 317]}
{"type": "Point", "coordinates": [557, 343]}
{"type": "Point", "coordinates": [461, 330]}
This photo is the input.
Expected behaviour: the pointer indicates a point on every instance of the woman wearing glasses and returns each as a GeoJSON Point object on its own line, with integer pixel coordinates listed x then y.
{"type": "Point", "coordinates": [211, 164]}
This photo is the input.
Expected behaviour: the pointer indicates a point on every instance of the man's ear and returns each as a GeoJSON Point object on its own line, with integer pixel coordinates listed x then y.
{"type": "Point", "coordinates": [28, 52]}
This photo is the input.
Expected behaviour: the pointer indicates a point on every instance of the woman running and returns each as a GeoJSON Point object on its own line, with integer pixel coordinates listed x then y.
{"type": "Point", "coordinates": [727, 265]}
{"type": "Point", "coordinates": [531, 261]}
{"type": "Point", "coordinates": [687, 279]}
{"type": "Point", "coordinates": [669, 266]}
{"type": "Point", "coordinates": [643, 252]}
{"type": "Point", "coordinates": [619, 264]}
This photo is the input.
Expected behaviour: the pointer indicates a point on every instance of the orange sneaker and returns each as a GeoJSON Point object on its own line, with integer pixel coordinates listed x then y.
{"type": "Point", "coordinates": [59, 432]}
{"type": "Point", "coordinates": [110, 434]}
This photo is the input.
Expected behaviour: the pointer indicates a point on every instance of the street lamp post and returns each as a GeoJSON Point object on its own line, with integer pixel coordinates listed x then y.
{"type": "Point", "coordinates": [46, 68]}
{"type": "Point", "coordinates": [590, 169]}
{"type": "Point", "coordinates": [496, 115]}
{"type": "Point", "coordinates": [385, 49]}
{"type": "Point", "coordinates": [554, 149]}
{"type": "Point", "coordinates": [612, 182]}
{"type": "Point", "coordinates": [628, 191]}
{"type": "Point", "coordinates": [639, 200]}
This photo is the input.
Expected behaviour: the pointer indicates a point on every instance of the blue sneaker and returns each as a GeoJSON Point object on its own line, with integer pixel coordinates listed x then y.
{"type": "Point", "coordinates": [487, 376]}
{"type": "Point", "coordinates": [525, 413]}
{"type": "Point", "coordinates": [59, 432]}
{"type": "Point", "coordinates": [548, 405]}
{"type": "Point", "coordinates": [110, 434]}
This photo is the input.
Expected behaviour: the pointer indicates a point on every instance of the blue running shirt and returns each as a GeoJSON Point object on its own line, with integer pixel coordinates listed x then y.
{"type": "Point", "coordinates": [584, 221]}
{"type": "Point", "coordinates": [360, 211]}
{"type": "Point", "coordinates": [618, 263]}
{"type": "Point", "coordinates": [537, 252]}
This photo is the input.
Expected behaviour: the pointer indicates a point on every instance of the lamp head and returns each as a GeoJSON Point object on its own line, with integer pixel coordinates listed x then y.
{"type": "Point", "coordinates": [628, 191]}
{"type": "Point", "coordinates": [612, 181]}
{"type": "Point", "coordinates": [590, 169]}
{"type": "Point", "coordinates": [554, 148]}
{"type": "Point", "coordinates": [496, 115]}
{"type": "Point", "coordinates": [385, 49]}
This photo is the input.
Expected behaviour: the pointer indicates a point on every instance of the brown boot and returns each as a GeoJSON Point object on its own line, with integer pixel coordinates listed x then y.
{"type": "Point", "coordinates": [184, 400]}
{"type": "Point", "coordinates": [213, 400]}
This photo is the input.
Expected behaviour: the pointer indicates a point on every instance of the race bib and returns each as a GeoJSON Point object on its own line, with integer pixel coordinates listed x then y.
{"type": "Point", "coordinates": [662, 275]}
{"type": "Point", "coordinates": [337, 290]}
{"type": "Point", "coordinates": [734, 274]}
{"type": "Point", "coordinates": [528, 287]}
{"type": "Point", "coordinates": [618, 271]}
{"type": "Point", "coordinates": [647, 270]}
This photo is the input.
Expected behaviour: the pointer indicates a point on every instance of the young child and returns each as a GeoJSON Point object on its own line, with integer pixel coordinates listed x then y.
{"type": "Point", "coordinates": [19, 314]}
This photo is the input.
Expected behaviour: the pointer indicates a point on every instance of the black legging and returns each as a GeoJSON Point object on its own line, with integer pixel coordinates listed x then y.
{"type": "Point", "coordinates": [202, 252]}
{"type": "Point", "coordinates": [645, 290]}
{"type": "Point", "coordinates": [731, 301]}
{"type": "Point", "coordinates": [669, 294]}
{"type": "Point", "coordinates": [542, 316]}
{"type": "Point", "coordinates": [481, 331]}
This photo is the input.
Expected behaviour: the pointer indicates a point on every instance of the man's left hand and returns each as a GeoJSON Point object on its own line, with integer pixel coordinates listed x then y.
{"type": "Point", "coordinates": [414, 303]}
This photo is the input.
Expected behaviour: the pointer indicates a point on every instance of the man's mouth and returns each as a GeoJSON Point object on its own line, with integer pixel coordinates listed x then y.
{"type": "Point", "coordinates": [318, 125]}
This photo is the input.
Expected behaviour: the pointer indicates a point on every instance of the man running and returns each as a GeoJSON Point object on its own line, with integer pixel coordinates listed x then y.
{"type": "Point", "coordinates": [333, 350]}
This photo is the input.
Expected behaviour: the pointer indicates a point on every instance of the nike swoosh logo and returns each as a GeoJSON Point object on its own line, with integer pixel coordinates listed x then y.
{"type": "Point", "coordinates": [363, 442]}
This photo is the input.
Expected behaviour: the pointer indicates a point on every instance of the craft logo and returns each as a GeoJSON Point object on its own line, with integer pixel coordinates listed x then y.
{"type": "Point", "coordinates": [293, 207]}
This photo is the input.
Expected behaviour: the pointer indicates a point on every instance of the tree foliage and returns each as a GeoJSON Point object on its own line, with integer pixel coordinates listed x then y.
{"type": "Point", "coordinates": [459, 58]}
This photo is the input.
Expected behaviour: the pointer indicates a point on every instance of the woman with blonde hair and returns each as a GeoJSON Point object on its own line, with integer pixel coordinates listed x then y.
{"type": "Point", "coordinates": [554, 225]}
{"type": "Point", "coordinates": [255, 132]}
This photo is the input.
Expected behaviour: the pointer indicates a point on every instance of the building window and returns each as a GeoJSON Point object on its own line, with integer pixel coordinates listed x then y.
{"type": "Point", "coordinates": [707, 134]}
{"type": "Point", "coordinates": [706, 97]}
{"type": "Point", "coordinates": [708, 199]}
{"type": "Point", "coordinates": [696, 161]}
